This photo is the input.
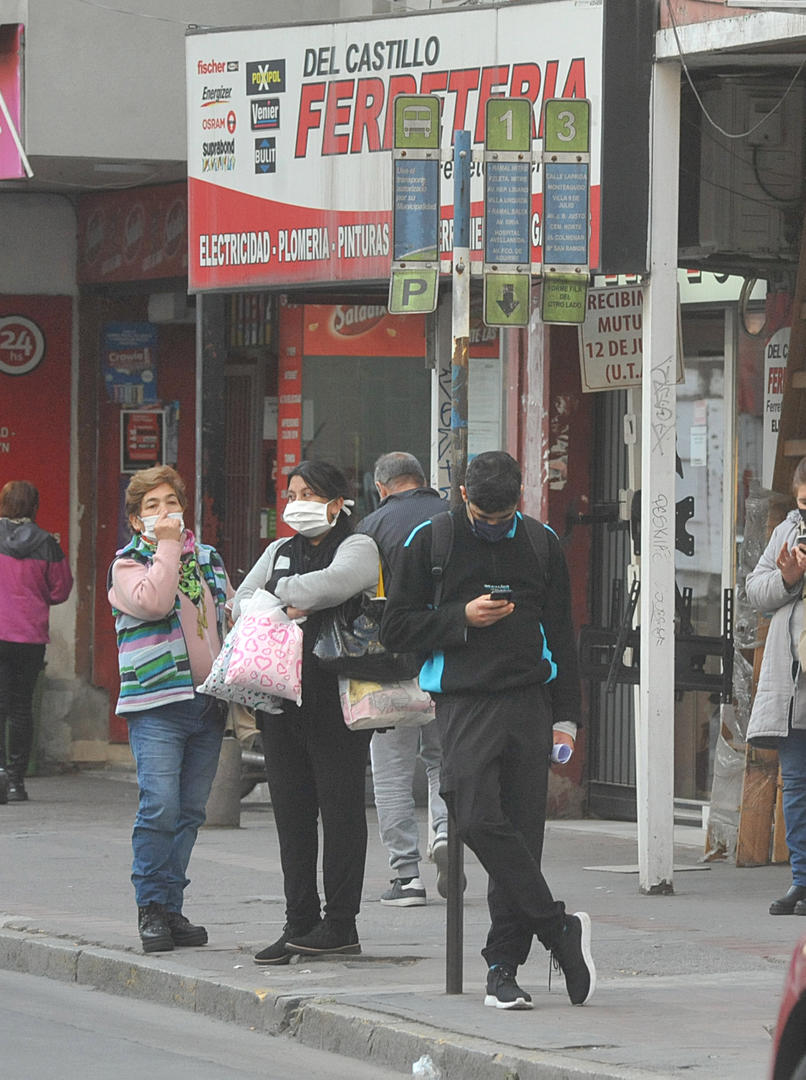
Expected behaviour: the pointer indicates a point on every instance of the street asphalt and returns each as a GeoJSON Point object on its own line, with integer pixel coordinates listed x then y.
{"type": "Point", "coordinates": [690, 981]}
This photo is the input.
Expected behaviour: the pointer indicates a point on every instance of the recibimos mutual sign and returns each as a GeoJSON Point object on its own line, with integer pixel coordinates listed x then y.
{"type": "Point", "coordinates": [290, 128]}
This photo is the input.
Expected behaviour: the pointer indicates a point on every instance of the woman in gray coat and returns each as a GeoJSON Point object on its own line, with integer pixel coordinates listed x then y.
{"type": "Point", "coordinates": [315, 765]}
{"type": "Point", "coordinates": [778, 720]}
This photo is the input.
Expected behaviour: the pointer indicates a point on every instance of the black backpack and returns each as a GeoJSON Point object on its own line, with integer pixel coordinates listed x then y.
{"type": "Point", "coordinates": [442, 528]}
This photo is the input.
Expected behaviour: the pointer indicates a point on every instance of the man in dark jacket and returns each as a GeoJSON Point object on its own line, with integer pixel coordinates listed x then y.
{"type": "Point", "coordinates": [504, 675]}
{"type": "Point", "coordinates": [406, 501]}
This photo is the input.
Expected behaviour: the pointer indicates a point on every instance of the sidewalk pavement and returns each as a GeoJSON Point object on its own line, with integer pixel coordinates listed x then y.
{"type": "Point", "coordinates": [690, 981]}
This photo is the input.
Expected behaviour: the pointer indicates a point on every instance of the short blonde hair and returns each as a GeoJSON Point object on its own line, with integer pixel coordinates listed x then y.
{"type": "Point", "coordinates": [143, 481]}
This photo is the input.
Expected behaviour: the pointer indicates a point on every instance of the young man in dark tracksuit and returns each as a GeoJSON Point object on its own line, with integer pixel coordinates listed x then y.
{"type": "Point", "coordinates": [504, 676]}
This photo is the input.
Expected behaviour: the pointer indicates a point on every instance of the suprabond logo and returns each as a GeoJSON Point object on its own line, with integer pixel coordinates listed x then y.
{"type": "Point", "coordinates": [265, 76]}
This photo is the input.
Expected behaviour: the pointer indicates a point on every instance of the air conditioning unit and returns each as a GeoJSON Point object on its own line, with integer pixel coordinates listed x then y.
{"type": "Point", "coordinates": [748, 191]}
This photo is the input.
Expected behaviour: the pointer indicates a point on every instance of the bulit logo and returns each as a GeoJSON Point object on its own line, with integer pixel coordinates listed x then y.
{"type": "Point", "coordinates": [265, 156]}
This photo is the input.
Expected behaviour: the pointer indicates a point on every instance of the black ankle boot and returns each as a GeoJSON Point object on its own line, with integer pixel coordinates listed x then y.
{"type": "Point", "coordinates": [786, 904]}
{"type": "Point", "coordinates": [155, 933]}
{"type": "Point", "coordinates": [4, 786]}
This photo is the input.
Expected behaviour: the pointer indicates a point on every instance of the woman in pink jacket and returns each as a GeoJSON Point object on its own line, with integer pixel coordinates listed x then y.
{"type": "Point", "coordinates": [33, 575]}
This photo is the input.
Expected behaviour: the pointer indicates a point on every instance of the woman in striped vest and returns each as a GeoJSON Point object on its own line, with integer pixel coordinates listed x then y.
{"type": "Point", "coordinates": [168, 593]}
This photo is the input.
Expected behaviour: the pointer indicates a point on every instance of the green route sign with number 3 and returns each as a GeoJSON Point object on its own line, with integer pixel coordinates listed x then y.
{"type": "Point", "coordinates": [566, 126]}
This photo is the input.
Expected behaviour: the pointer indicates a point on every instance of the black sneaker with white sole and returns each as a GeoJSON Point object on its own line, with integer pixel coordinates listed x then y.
{"type": "Point", "coordinates": [405, 892]}
{"type": "Point", "coordinates": [571, 954]}
{"type": "Point", "coordinates": [502, 990]}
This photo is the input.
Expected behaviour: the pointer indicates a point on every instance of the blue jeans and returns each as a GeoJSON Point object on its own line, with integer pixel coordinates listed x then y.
{"type": "Point", "coordinates": [176, 749]}
{"type": "Point", "coordinates": [792, 755]}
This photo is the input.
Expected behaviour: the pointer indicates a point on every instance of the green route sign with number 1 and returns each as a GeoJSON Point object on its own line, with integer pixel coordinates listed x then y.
{"type": "Point", "coordinates": [509, 125]}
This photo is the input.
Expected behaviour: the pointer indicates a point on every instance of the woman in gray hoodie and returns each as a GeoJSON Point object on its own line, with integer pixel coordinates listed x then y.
{"type": "Point", "coordinates": [776, 588]}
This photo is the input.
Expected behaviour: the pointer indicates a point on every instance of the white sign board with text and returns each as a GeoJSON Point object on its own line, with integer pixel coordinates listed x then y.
{"type": "Point", "coordinates": [290, 131]}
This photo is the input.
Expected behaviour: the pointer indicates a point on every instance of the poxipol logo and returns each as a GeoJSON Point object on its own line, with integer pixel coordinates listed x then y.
{"type": "Point", "coordinates": [265, 77]}
{"type": "Point", "coordinates": [265, 156]}
{"type": "Point", "coordinates": [215, 95]}
{"type": "Point", "coordinates": [265, 114]}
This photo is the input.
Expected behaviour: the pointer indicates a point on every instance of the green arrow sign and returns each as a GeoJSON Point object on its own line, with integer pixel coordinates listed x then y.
{"type": "Point", "coordinates": [506, 299]}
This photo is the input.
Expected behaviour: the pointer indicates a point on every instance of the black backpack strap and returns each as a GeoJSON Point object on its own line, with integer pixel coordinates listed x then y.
{"type": "Point", "coordinates": [441, 547]}
{"type": "Point", "coordinates": [538, 535]}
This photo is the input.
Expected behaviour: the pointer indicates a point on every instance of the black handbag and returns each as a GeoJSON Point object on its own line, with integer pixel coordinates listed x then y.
{"type": "Point", "coordinates": [348, 642]}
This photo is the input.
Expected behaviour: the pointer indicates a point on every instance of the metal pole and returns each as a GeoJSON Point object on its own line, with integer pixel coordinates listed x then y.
{"type": "Point", "coordinates": [461, 311]}
{"type": "Point", "coordinates": [454, 930]}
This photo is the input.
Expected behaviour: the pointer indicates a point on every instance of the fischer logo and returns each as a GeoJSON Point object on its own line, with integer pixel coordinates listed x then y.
{"type": "Point", "coordinates": [265, 114]}
{"type": "Point", "coordinates": [265, 76]}
{"type": "Point", "coordinates": [211, 67]}
{"type": "Point", "coordinates": [216, 95]}
{"type": "Point", "coordinates": [232, 65]}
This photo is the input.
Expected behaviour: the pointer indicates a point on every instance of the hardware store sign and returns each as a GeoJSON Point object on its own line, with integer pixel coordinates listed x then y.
{"type": "Point", "coordinates": [289, 130]}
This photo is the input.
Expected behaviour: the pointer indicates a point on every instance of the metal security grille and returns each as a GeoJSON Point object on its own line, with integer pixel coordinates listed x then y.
{"type": "Point", "coordinates": [242, 516]}
{"type": "Point", "coordinates": [612, 745]}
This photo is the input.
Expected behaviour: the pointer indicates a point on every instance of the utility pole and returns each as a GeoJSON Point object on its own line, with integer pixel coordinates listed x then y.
{"type": "Point", "coordinates": [460, 323]}
{"type": "Point", "coordinates": [460, 332]}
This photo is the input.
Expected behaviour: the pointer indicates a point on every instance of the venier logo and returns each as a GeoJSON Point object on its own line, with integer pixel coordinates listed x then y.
{"type": "Point", "coordinates": [265, 114]}
{"type": "Point", "coordinates": [265, 76]}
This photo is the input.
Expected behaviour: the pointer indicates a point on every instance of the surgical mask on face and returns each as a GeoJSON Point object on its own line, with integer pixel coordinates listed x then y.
{"type": "Point", "coordinates": [308, 518]}
{"type": "Point", "coordinates": [492, 532]}
{"type": "Point", "coordinates": [151, 520]}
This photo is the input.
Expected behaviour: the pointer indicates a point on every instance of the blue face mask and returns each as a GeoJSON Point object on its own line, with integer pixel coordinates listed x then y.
{"type": "Point", "coordinates": [490, 532]}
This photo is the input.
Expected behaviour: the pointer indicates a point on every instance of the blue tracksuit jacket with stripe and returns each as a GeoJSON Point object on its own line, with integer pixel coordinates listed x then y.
{"type": "Point", "coordinates": [535, 644]}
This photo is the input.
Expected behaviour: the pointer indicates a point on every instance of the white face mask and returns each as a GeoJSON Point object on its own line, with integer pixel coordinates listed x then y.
{"type": "Point", "coordinates": [151, 520]}
{"type": "Point", "coordinates": [308, 518]}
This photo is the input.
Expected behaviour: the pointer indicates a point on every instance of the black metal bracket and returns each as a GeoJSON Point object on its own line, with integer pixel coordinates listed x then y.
{"type": "Point", "coordinates": [701, 662]}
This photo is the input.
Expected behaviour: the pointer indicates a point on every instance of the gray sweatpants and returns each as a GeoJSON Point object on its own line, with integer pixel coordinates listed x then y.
{"type": "Point", "coordinates": [394, 757]}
